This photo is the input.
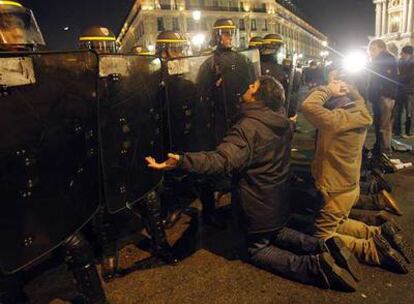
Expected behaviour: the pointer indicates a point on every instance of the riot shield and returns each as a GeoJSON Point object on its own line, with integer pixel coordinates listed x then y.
{"type": "Point", "coordinates": [203, 96]}
{"type": "Point", "coordinates": [48, 152]}
{"type": "Point", "coordinates": [254, 57]}
{"type": "Point", "coordinates": [223, 79]}
{"type": "Point", "coordinates": [188, 126]}
{"type": "Point", "coordinates": [131, 126]}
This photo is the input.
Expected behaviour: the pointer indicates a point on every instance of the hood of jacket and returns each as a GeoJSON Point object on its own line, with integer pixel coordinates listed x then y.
{"type": "Point", "coordinates": [275, 120]}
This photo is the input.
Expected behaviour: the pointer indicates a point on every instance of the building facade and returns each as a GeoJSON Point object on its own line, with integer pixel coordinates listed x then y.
{"type": "Point", "coordinates": [394, 22]}
{"type": "Point", "coordinates": [253, 18]}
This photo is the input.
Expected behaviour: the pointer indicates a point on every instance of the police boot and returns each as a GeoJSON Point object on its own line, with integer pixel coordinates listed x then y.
{"type": "Point", "coordinates": [343, 257]}
{"type": "Point", "coordinates": [335, 276]}
{"type": "Point", "coordinates": [107, 239]}
{"type": "Point", "coordinates": [393, 234]}
{"type": "Point", "coordinates": [155, 228]}
{"type": "Point", "coordinates": [388, 257]}
{"type": "Point", "coordinates": [79, 258]}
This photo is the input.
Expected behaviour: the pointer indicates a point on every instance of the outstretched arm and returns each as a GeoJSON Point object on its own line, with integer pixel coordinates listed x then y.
{"type": "Point", "coordinates": [232, 154]}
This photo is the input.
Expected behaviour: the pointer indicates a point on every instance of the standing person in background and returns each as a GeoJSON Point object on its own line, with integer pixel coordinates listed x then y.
{"type": "Point", "coordinates": [382, 94]}
{"type": "Point", "coordinates": [406, 92]}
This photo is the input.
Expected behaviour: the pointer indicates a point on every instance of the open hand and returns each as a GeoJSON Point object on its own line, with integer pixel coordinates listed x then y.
{"type": "Point", "coordinates": [169, 164]}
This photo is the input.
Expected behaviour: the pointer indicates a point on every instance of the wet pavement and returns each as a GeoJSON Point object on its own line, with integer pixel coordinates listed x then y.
{"type": "Point", "coordinates": [211, 274]}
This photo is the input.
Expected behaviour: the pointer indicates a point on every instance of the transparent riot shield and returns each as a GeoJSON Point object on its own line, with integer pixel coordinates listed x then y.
{"type": "Point", "coordinates": [188, 126]}
{"type": "Point", "coordinates": [254, 57]}
{"type": "Point", "coordinates": [203, 96]}
{"type": "Point", "coordinates": [131, 117]}
{"type": "Point", "coordinates": [223, 79]}
{"type": "Point", "coordinates": [48, 152]}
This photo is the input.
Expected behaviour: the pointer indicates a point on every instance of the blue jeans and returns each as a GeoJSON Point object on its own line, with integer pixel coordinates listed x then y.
{"type": "Point", "coordinates": [288, 253]}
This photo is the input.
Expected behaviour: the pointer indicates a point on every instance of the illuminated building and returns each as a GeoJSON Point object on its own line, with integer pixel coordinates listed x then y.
{"type": "Point", "coordinates": [253, 18]}
{"type": "Point", "coordinates": [394, 22]}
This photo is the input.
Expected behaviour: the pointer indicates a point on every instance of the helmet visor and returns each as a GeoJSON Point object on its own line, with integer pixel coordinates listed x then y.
{"type": "Point", "coordinates": [172, 49]}
{"type": "Point", "coordinates": [100, 46]}
{"type": "Point", "coordinates": [228, 37]}
{"type": "Point", "coordinates": [18, 26]}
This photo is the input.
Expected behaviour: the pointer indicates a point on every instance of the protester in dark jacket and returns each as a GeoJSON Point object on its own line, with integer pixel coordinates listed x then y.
{"type": "Point", "coordinates": [382, 93]}
{"type": "Point", "coordinates": [256, 152]}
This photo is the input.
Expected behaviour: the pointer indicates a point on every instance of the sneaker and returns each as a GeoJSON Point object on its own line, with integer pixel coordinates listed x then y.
{"type": "Point", "coordinates": [336, 276]}
{"type": "Point", "coordinates": [343, 256]}
{"type": "Point", "coordinates": [392, 233]}
{"type": "Point", "coordinates": [390, 202]}
{"type": "Point", "coordinates": [388, 257]}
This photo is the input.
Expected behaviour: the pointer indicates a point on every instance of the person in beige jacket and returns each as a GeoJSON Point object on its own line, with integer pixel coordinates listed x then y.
{"type": "Point", "coordinates": [342, 119]}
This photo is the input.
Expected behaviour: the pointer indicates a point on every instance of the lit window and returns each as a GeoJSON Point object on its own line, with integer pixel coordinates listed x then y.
{"type": "Point", "coordinates": [253, 24]}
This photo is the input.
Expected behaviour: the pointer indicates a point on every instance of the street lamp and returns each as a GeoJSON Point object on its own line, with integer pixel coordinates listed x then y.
{"type": "Point", "coordinates": [196, 15]}
{"type": "Point", "coordinates": [324, 43]}
{"type": "Point", "coordinates": [198, 41]}
{"type": "Point", "coordinates": [355, 62]}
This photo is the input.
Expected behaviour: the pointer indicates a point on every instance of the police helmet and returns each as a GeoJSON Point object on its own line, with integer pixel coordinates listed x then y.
{"type": "Point", "coordinates": [18, 28]}
{"type": "Point", "coordinates": [272, 43]}
{"type": "Point", "coordinates": [224, 27]}
{"type": "Point", "coordinates": [287, 62]}
{"type": "Point", "coordinates": [170, 44]}
{"type": "Point", "coordinates": [256, 43]}
{"type": "Point", "coordinates": [99, 39]}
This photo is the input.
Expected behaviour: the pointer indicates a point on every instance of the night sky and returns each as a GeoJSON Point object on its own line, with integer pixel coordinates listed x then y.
{"type": "Point", "coordinates": [348, 23]}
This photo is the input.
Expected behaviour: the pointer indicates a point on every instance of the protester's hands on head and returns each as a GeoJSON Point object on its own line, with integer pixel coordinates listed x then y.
{"type": "Point", "coordinates": [338, 88]}
{"type": "Point", "coordinates": [169, 164]}
{"type": "Point", "coordinates": [294, 118]}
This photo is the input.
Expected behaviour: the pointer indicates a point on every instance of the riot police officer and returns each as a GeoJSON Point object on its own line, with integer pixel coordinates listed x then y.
{"type": "Point", "coordinates": [224, 77]}
{"type": "Point", "coordinates": [222, 80]}
{"type": "Point", "coordinates": [109, 224]}
{"type": "Point", "coordinates": [170, 44]}
{"type": "Point", "coordinates": [179, 100]}
{"type": "Point", "coordinates": [19, 32]}
{"type": "Point", "coordinates": [98, 38]}
{"type": "Point", "coordinates": [18, 28]}
{"type": "Point", "coordinates": [256, 43]}
{"type": "Point", "coordinates": [272, 49]}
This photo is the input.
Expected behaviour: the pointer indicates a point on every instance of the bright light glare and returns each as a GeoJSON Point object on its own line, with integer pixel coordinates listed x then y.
{"type": "Point", "coordinates": [355, 62]}
{"type": "Point", "coordinates": [324, 54]}
{"type": "Point", "coordinates": [198, 39]}
{"type": "Point", "coordinates": [196, 15]}
{"type": "Point", "coordinates": [151, 48]}
{"type": "Point", "coordinates": [66, 28]}
{"type": "Point", "coordinates": [325, 43]}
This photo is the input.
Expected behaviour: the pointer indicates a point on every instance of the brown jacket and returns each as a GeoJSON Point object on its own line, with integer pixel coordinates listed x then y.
{"type": "Point", "coordinates": [341, 136]}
